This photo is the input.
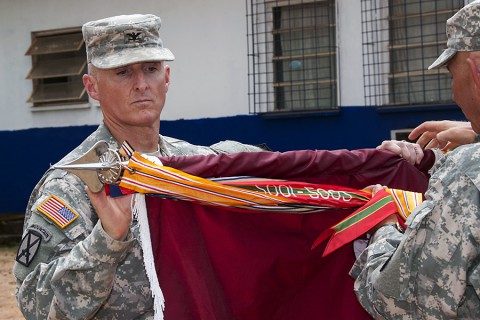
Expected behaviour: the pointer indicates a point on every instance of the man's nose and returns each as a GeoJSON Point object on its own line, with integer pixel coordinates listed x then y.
{"type": "Point", "coordinates": [140, 81]}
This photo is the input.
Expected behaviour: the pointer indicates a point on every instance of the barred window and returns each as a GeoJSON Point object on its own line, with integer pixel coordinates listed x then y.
{"type": "Point", "coordinates": [58, 63]}
{"type": "Point", "coordinates": [401, 38]}
{"type": "Point", "coordinates": [292, 55]}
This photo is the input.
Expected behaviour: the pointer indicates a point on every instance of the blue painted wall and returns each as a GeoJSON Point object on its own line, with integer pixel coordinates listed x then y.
{"type": "Point", "coordinates": [28, 153]}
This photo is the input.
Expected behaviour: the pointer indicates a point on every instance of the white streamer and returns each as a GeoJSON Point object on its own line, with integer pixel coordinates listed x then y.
{"type": "Point", "coordinates": [139, 210]}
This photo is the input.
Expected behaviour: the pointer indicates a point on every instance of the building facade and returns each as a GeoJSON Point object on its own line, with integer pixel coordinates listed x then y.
{"type": "Point", "coordinates": [294, 74]}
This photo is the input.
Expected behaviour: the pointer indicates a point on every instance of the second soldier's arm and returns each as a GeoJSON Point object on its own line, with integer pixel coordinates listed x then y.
{"type": "Point", "coordinates": [425, 273]}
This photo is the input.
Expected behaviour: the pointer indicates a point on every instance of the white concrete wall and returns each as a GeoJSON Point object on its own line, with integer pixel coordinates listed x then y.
{"type": "Point", "coordinates": [349, 53]}
{"type": "Point", "coordinates": [208, 38]}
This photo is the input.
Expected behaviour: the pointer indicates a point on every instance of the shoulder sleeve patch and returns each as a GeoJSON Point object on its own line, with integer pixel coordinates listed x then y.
{"type": "Point", "coordinates": [28, 248]}
{"type": "Point", "coordinates": [58, 211]}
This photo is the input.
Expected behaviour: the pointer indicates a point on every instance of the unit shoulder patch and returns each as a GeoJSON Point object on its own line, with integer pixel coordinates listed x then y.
{"type": "Point", "coordinates": [28, 248]}
{"type": "Point", "coordinates": [58, 211]}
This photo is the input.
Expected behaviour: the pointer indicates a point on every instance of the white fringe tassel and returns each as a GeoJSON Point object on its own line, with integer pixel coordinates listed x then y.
{"type": "Point", "coordinates": [139, 210]}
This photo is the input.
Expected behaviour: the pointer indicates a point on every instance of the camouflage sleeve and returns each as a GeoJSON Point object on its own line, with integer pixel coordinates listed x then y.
{"type": "Point", "coordinates": [82, 282]}
{"type": "Point", "coordinates": [432, 271]}
{"type": "Point", "coordinates": [230, 146]}
{"type": "Point", "coordinates": [70, 273]}
{"type": "Point", "coordinates": [367, 269]}
{"type": "Point", "coordinates": [175, 147]}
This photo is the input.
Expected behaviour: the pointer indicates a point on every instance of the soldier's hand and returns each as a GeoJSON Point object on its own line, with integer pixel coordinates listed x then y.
{"type": "Point", "coordinates": [411, 152]}
{"type": "Point", "coordinates": [444, 134]}
{"type": "Point", "coordinates": [114, 213]}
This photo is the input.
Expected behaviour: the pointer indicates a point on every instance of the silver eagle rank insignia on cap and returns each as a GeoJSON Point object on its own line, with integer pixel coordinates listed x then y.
{"type": "Point", "coordinates": [121, 40]}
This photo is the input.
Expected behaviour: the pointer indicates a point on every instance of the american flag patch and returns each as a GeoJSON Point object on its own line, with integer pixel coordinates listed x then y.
{"type": "Point", "coordinates": [58, 211]}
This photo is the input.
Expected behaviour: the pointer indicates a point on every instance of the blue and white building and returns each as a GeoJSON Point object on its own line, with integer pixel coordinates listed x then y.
{"type": "Point", "coordinates": [294, 74]}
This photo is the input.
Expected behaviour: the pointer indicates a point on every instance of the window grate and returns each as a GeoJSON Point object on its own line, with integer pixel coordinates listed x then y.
{"type": "Point", "coordinates": [292, 56]}
{"type": "Point", "coordinates": [401, 38]}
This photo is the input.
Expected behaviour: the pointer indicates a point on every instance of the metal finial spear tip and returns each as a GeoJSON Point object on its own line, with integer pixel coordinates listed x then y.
{"type": "Point", "coordinates": [97, 166]}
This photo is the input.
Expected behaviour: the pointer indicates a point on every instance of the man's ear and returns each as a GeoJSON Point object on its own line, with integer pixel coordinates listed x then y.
{"type": "Point", "coordinates": [90, 84]}
{"type": "Point", "coordinates": [474, 64]}
{"type": "Point", "coordinates": [167, 76]}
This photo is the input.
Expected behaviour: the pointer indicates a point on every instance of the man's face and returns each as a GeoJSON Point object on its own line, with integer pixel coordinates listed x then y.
{"type": "Point", "coordinates": [133, 95]}
{"type": "Point", "coordinates": [464, 90]}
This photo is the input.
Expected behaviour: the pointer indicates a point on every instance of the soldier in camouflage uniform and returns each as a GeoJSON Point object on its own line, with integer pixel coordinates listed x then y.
{"type": "Point", "coordinates": [78, 262]}
{"type": "Point", "coordinates": [432, 271]}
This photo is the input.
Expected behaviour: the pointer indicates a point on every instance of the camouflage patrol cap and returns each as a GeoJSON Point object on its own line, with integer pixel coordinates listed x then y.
{"type": "Point", "coordinates": [121, 40]}
{"type": "Point", "coordinates": [463, 33]}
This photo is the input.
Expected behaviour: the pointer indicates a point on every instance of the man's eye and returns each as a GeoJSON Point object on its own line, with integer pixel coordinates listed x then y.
{"type": "Point", "coordinates": [121, 72]}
